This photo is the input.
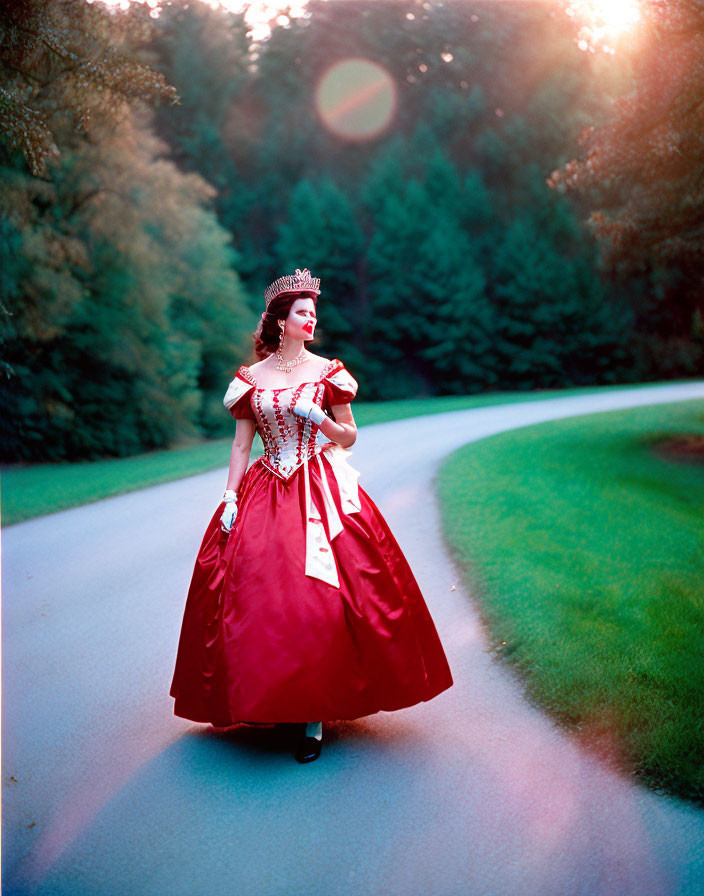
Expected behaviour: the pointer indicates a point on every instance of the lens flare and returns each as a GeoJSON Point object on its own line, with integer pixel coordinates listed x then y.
{"type": "Point", "coordinates": [356, 99]}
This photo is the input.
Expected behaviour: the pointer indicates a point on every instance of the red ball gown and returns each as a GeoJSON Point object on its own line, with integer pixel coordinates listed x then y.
{"type": "Point", "coordinates": [307, 610]}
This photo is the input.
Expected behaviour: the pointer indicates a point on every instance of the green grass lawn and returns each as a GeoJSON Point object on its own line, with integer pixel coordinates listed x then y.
{"type": "Point", "coordinates": [36, 489]}
{"type": "Point", "coordinates": [585, 550]}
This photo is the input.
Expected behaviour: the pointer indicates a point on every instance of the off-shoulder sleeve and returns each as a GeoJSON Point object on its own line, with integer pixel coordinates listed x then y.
{"type": "Point", "coordinates": [340, 385]}
{"type": "Point", "coordinates": [238, 395]}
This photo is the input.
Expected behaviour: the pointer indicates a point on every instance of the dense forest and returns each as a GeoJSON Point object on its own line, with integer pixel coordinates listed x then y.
{"type": "Point", "coordinates": [133, 266]}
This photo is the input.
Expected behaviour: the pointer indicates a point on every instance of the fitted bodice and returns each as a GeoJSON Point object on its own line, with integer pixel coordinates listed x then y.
{"type": "Point", "coordinates": [289, 439]}
{"type": "Point", "coordinates": [291, 442]}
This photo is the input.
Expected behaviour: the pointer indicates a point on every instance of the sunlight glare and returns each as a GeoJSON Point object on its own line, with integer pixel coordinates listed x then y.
{"type": "Point", "coordinates": [261, 15]}
{"type": "Point", "coordinates": [603, 21]}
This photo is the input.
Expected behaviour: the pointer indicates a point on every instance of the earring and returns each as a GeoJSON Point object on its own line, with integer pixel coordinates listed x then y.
{"type": "Point", "coordinates": [282, 326]}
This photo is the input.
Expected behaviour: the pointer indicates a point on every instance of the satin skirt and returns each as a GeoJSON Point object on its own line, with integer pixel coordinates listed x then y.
{"type": "Point", "coordinates": [261, 641]}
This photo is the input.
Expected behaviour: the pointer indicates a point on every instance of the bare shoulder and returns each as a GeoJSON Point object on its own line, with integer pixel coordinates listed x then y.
{"type": "Point", "coordinates": [269, 361]}
{"type": "Point", "coordinates": [319, 359]}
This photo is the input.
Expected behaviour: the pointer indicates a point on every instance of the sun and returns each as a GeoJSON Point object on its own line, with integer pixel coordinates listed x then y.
{"type": "Point", "coordinates": [618, 15]}
{"type": "Point", "coordinates": [603, 22]}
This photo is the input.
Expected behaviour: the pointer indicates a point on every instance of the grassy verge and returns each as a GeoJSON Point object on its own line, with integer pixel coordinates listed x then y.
{"type": "Point", "coordinates": [586, 552]}
{"type": "Point", "coordinates": [32, 490]}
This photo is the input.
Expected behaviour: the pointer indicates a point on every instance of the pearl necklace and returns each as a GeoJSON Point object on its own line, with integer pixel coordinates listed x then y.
{"type": "Point", "coordinates": [287, 366]}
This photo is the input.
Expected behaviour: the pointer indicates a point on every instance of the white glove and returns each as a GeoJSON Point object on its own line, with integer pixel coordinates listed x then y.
{"type": "Point", "coordinates": [306, 408]}
{"type": "Point", "coordinates": [229, 514]}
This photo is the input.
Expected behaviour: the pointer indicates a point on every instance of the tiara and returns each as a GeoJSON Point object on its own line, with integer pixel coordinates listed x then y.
{"type": "Point", "coordinates": [297, 282]}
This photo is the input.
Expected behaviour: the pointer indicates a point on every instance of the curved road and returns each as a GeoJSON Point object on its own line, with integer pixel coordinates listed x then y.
{"type": "Point", "coordinates": [105, 791]}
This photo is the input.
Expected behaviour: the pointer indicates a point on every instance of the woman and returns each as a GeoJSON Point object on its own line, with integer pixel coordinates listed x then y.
{"type": "Point", "coordinates": [302, 607]}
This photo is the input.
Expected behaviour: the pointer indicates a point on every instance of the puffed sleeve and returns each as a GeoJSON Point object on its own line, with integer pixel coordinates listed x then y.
{"type": "Point", "coordinates": [340, 385]}
{"type": "Point", "coordinates": [238, 395]}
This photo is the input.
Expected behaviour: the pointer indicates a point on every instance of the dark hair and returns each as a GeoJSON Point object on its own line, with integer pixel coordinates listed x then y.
{"type": "Point", "coordinates": [266, 336]}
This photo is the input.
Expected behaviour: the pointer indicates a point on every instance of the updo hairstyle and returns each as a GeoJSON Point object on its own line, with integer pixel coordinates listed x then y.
{"type": "Point", "coordinates": [266, 336]}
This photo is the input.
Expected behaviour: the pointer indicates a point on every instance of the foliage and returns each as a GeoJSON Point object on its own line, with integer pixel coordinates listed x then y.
{"type": "Point", "coordinates": [71, 58]}
{"type": "Point", "coordinates": [120, 304]}
{"type": "Point", "coordinates": [320, 227]}
{"type": "Point", "coordinates": [643, 168]}
{"type": "Point", "coordinates": [447, 267]}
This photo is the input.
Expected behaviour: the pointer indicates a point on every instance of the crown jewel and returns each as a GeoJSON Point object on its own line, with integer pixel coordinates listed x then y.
{"type": "Point", "coordinates": [292, 283]}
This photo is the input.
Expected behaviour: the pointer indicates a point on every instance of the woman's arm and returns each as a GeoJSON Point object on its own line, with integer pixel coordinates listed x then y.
{"type": "Point", "coordinates": [344, 431]}
{"type": "Point", "coordinates": [241, 450]}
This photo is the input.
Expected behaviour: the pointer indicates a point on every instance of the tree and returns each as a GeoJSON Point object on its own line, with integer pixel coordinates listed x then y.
{"type": "Point", "coordinates": [490, 97]}
{"type": "Point", "coordinates": [321, 232]}
{"type": "Point", "coordinates": [554, 322]}
{"type": "Point", "coordinates": [643, 169]}
{"type": "Point", "coordinates": [124, 312]}
{"type": "Point", "coordinates": [458, 336]}
{"type": "Point", "coordinates": [74, 56]}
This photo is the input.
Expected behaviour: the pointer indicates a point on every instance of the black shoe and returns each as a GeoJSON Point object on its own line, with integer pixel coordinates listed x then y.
{"type": "Point", "coordinates": [308, 748]}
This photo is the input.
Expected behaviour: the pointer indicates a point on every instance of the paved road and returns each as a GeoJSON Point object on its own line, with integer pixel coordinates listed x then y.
{"type": "Point", "coordinates": [106, 792]}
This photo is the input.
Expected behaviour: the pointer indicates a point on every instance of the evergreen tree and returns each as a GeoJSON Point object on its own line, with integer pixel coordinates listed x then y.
{"type": "Point", "coordinates": [554, 324]}
{"type": "Point", "coordinates": [458, 337]}
{"type": "Point", "coordinates": [320, 232]}
{"type": "Point", "coordinates": [72, 55]}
